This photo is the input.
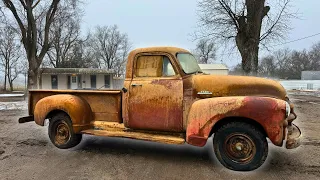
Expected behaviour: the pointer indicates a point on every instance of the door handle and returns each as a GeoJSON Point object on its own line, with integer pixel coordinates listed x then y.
{"type": "Point", "coordinates": [136, 85]}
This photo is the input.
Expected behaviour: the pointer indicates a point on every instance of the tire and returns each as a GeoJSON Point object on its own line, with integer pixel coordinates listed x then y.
{"type": "Point", "coordinates": [65, 138]}
{"type": "Point", "coordinates": [240, 146]}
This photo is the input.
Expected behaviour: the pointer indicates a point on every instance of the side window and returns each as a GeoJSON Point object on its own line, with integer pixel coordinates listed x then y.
{"type": "Point", "coordinates": [167, 67]}
{"type": "Point", "coordinates": [153, 66]}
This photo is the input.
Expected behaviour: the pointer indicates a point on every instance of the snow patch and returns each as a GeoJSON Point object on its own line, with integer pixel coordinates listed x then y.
{"type": "Point", "coordinates": [18, 105]}
{"type": "Point", "coordinates": [11, 95]}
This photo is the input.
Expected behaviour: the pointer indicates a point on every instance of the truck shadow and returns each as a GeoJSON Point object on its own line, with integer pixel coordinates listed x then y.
{"type": "Point", "coordinates": [278, 159]}
{"type": "Point", "coordinates": [132, 147]}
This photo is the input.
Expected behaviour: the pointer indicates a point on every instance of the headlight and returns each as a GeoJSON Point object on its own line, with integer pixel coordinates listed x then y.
{"type": "Point", "coordinates": [287, 109]}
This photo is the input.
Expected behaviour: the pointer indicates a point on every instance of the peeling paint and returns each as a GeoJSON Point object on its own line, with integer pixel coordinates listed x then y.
{"type": "Point", "coordinates": [204, 114]}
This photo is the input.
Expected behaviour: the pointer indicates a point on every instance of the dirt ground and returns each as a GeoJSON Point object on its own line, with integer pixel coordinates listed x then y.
{"type": "Point", "coordinates": [26, 153]}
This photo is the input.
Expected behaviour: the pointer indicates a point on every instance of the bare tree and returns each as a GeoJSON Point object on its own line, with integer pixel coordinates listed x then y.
{"type": "Point", "coordinates": [81, 55]}
{"type": "Point", "coordinates": [298, 62]}
{"type": "Point", "coordinates": [267, 66]}
{"type": "Point", "coordinates": [282, 59]}
{"type": "Point", "coordinates": [314, 57]}
{"type": "Point", "coordinates": [31, 16]}
{"type": "Point", "coordinates": [248, 23]}
{"type": "Point", "coordinates": [9, 54]}
{"type": "Point", "coordinates": [236, 70]}
{"type": "Point", "coordinates": [205, 51]}
{"type": "Point", "coordinates": [111, 48]}
{"type": "Point", "coordinates": [65, 33]}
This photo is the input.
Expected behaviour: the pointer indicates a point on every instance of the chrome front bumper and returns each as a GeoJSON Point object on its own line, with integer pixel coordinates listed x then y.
{"type": "Point", "coordinates": [293, 137]}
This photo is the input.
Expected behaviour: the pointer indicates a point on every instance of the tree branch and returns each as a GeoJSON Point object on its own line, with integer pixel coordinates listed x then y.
{"type": "Point", "coordinates": [269, 31]}
{"type": "Point", "coordinates": [230, 13]}
{"type": "Point", "coordinates": [49, 19]}
{"type": "Point", "coordinates": [12, 8]}
{"type": "Point", "coordinates": [35, 5]}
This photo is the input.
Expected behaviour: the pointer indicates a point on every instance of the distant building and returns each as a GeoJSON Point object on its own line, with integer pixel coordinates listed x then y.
{"type": "Point", "coordinates": [310, 75]}
{"type": "Point", "coordinates": [78, 78]}
{"type": "Point", "coordinates": [218, 69]}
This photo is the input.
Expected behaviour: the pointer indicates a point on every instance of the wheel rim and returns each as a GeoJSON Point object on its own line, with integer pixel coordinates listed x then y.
{"type": "Point", "coordinates": [62, 134]}
{"type": "Point", "coordinates": [239, 148]}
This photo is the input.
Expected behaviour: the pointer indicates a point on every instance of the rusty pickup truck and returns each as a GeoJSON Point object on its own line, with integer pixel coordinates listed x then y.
{"type": "Point", "coordinates": [166, 98]}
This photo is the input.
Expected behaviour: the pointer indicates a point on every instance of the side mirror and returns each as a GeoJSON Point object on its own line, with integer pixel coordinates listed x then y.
{"type": "Point", "coordinates": [124, 90]}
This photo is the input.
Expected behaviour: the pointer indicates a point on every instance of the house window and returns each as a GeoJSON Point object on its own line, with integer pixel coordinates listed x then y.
{"type": "Point", "coordinates": [54, 82]}
{"type": "Point", "coordinates": [107, 81]}
{"type": "Point", "coordinates": [93, 79]}
{"type": "Point", "coordinates": [74, 79]}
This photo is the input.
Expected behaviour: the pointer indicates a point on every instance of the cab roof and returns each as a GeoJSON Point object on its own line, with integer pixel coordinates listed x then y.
{"type": "Point", "coordinates": [168, 49]}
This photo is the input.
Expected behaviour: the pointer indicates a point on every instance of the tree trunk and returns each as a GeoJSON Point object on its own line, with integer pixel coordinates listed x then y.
{"type": "Point", "coordinates": [5, 77]}
{"type": "Point", "coordinates": [249, 49]}
{"type": "Point", "coordinates": [11, 85]}
{"type": "Point", "coordinates": [5, 83]}
{"type": "Point", "coordinates": [256, 12]}
{"type": "Point", "coordinates": [248, 36]}
{"type": "Point", "coordinates": [33, 75]}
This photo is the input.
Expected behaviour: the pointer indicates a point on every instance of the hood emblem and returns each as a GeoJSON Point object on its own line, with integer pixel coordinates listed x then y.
{"type": "Point", "coordinates": [204, 93]}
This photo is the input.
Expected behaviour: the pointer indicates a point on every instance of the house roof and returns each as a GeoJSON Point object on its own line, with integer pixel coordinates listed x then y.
{"type": "Point", "coordinates": [75, 71]}
{"type": "Point", "coordinates": [213, 66]}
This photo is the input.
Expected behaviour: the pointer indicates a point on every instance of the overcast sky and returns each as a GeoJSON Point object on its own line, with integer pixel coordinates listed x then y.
{"type": "Point", "coordinates": [170, 22]}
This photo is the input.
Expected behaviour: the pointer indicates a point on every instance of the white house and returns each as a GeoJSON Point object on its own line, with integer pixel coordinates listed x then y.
{"type": "Point", "coordinates": [78, 78]}
{"type": "Point", "coordinates": [218, 69]}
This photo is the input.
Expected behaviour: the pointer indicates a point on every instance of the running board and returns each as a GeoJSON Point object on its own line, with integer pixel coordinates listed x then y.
{"type": "Point", "coordinates": [118, 130]}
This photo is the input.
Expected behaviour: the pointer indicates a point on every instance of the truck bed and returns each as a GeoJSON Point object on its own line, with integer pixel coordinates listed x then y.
{"type": "Point", "coordinates": [105, 104]}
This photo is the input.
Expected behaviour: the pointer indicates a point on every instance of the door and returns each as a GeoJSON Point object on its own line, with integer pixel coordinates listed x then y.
{"type": "Point", "coordinates": [107, 81]}
{"type": "Point", "coordinates": [93, 80]}
{"type": "Point", "coordinates": [74, 82]}
{"type": "Point", "coordinates": [155, 95]}
{"type": "Point", "coordinates": [54, 82]}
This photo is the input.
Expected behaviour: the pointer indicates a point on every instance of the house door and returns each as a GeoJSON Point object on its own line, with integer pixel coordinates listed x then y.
{"type": "Point", "coordinates": [54, 82]}
{"type": "Point", "coordinates": [74, 82]}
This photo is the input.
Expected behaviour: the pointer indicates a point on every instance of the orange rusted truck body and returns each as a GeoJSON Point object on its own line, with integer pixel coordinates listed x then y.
{"type": "Point", "coordinates": [161, 102]}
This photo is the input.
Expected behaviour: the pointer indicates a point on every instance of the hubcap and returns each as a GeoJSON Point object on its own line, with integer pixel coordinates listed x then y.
{"type": "Point", "coordinates": [62, 133]}
{"type": "Point", "coordinates": [239, 148]}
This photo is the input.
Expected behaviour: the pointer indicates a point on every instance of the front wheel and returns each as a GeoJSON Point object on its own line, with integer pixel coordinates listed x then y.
{"type": "Point", "coordinates": [240, 146]}
{"type": "Point", "coordinates": [61, 132]}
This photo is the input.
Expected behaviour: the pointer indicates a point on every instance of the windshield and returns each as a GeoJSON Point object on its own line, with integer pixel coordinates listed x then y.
{"type": "Point", "coordinates": [189, 63]}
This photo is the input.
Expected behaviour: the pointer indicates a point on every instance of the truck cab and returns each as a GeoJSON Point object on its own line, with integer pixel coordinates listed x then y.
{"type": "Point", "coordinates": [167, 98]}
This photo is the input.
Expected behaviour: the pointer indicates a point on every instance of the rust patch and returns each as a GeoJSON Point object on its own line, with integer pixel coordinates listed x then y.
{"type": "Point", "coordinates": [156, 106]}
{"type": "Point", "coordinates": [78, 110]}
{"type": "Point", "coordinates": [163, 82]}
{"type": "Point", "coordinates": [226, 85]}
{"type": "Point", "coordinates": [205, 113]}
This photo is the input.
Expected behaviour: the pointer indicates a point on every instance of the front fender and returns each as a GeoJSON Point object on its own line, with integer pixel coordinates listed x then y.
{"type": "Point", "coordinates": [77, 108]}
{"type": "Point", "coordinates": [205, 113]}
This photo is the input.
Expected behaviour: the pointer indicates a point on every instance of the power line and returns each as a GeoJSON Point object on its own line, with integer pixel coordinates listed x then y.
{"type": "Point", "coordinates": [288, 42]}
{"type": "Point", "coordinates": [303, 38]}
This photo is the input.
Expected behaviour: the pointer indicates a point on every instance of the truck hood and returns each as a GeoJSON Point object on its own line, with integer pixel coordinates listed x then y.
{"type": "Point", "coordinates": [226, 85]}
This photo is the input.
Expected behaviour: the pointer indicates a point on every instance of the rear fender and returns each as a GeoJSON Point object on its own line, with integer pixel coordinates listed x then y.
{"type": "Point", "coordinates": [205, 113]}
{"type": "Point", "coordinates": [77, 108]}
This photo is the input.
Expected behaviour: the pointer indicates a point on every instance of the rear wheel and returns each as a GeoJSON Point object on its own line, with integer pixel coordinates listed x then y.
{"type": "Point", "coordinates": [61, 132]}
{"type": "Point", "coordinates": [240, 146]}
